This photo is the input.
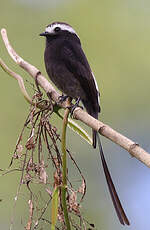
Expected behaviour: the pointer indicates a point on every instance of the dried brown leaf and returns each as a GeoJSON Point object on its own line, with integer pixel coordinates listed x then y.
{"type": "Point", "coordinates": [43, 174]}
{"type": "Point", "coordinates": [19, 149]}
{"type": "Point", "coordinates": [57, 178]}
{"type": "Point", "coordinates": [30, 143]}
{"type": "Point", "coordinates": [60, 215]}
{"type": "Point", "coordinates": [73, 205]}
{"type": "Point", "coordinates": [82, 187]}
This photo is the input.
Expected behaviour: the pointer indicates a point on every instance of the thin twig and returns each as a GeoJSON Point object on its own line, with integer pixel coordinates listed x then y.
{"type": "Point", "coordinates": [48, 222]}
{"type": "Point", "coordinates": [18, 189]}
{"type": "Point", "coordinates": [20, 82]}
{"type": "Point", "coordinates": [42, 213]}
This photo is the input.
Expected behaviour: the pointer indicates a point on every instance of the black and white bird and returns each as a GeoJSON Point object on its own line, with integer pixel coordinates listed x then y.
{"type": "Point", "coordinates": [68, 68]}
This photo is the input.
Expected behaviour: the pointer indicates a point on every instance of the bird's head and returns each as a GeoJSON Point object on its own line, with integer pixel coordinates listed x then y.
{"type": "Point", "coordinates": [58, 29]}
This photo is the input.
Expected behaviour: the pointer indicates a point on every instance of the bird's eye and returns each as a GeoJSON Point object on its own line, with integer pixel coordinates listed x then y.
{"type": "Point", "coordinates": [57, 29]}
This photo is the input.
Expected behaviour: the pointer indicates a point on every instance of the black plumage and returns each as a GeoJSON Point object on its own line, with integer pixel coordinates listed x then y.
{"type": "Point", "coordinates": [68, 68]}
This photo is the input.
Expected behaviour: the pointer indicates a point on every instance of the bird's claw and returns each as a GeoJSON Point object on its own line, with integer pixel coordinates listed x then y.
{"type": "Point", "coordinates": [62, 98]}
{"type": "Point", "coordinates": [73, 107]}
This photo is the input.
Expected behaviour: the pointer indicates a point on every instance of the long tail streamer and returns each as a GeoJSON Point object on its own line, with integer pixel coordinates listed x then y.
{"type": "Point", "coordinates": [114, 196]}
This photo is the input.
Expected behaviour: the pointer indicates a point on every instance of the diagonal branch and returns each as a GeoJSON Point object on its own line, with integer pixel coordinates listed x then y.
{"type": "Point", "coordinates": [20, 82]}
{"type": "Point", "coordinates": [133, 148]}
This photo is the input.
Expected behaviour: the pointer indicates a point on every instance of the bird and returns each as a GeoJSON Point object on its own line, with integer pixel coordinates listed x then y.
{"type": "Point", "coordinates": [68, 68]}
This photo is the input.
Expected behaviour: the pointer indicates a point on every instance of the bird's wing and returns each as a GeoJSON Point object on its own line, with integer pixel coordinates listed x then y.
{"type": "Point", "coordinates": [76, 62]}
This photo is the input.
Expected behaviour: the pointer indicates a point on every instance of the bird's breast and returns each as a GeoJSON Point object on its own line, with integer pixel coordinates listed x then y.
{"type": "Point", "coordinates": [59, 74]}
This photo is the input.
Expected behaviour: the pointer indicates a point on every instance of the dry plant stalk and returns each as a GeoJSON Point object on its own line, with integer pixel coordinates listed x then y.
{"type": "Point", "coordinates": [39, 160]}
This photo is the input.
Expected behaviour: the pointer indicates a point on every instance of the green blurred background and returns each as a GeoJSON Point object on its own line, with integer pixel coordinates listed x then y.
{"type": "Point", "coordinates": [115, 36]}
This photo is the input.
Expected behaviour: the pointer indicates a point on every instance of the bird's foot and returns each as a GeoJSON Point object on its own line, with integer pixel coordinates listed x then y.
{"type": "Point", "coordinates": [73, 107]}
{"type": "Point", "coordinates": [62, 98]}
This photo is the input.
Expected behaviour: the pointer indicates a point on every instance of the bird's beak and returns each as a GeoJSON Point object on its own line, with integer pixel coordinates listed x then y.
{"type": "Point", "coordinates": [43, 34]}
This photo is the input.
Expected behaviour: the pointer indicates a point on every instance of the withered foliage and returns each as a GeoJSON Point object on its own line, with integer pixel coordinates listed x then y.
{"type": "Point", "coordinates": [39, 160]}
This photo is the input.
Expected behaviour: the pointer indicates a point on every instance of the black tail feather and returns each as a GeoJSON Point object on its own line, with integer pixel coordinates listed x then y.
{"type": "Point", "coordinates": [94, 134]}
{"type": "Point", "coordinates": [94, 113]}
{"type": "Point", "coordinates": [114, 196]}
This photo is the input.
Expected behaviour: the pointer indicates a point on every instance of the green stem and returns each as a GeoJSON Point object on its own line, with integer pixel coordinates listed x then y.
{"type": "Point", "coordinates": [64, 166]}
